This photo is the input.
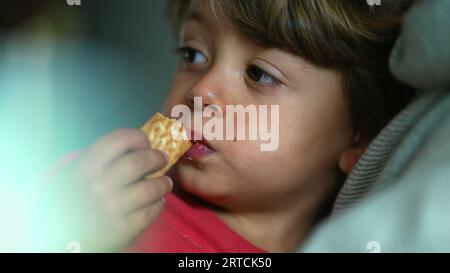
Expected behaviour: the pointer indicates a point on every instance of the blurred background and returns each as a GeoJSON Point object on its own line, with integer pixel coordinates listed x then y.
{"type": "Point", "coordinates": [69, 74]}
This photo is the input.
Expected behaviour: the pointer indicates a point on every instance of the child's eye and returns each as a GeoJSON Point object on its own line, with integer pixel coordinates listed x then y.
{"type": "Point", "coordinates": [260, 76]}
{"type": "Point", "coordinates": [191, 55]}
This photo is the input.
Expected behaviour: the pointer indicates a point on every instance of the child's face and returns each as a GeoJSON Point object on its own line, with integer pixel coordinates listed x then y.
{"type": "Point", "coordinates": [223, 68]}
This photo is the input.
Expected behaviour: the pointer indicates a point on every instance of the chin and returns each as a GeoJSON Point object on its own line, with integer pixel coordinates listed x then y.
{"type": "Point", "coordinates": [194, 181]}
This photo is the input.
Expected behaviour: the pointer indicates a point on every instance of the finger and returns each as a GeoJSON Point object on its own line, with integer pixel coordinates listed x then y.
{"type": "Point", "coordinates": [144, 193]}
{"type": "Point", "coordinates": [133, 166]}
{"type": "Point", "coordinates": [142, 218]}
{"type": "Point", "coordinates": [115, 144]}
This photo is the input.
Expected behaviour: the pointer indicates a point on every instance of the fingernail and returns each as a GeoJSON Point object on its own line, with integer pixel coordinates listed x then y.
{"type": "Point", "coordinates": [170, 181]}
{"type": "Point", "coordinates": [163, 201]}
{"type": "Point", "coordinates": [166, 156]}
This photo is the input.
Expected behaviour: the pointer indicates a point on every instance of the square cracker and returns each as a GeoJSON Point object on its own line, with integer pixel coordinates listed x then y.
{"type": "Point", "coordinates": [160, 131]}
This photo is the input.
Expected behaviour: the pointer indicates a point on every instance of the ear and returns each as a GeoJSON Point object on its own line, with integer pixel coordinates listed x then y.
{"type": "Point", "coordinates": [351, 155]}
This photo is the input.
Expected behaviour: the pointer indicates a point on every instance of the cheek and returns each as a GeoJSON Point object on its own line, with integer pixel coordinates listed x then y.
{"type": "Point", "coordinates": [269, 178]}
{"type": "Point", "coordinates": [256, 170]}
{"type": "Point", "coordinates": [308, 142]}
{"type": "Point", "coordinates": [305, 155]}
{"type": "Point", "coordinates": [177, 94]}
{"type": "Point", "coordinates": [242, 154]}
{"type": "Point", "coordinates": [312, 135]}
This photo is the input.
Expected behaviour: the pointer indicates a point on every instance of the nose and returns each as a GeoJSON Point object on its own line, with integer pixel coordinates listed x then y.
{"type": "Point", "coordinates": [212, 88]}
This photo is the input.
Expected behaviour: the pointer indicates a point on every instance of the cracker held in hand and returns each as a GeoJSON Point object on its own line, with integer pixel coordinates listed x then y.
{"type": "Point", "coordinates": [169, 136]}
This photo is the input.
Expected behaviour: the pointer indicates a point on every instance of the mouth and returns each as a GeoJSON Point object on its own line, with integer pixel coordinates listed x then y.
{"type": "Point", "coordinates": [199, 149]}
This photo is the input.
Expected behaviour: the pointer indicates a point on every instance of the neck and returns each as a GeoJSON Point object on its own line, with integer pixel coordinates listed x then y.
{"type": "Point", "coordinates": [255, 227]}
{"type": "Point", "coordinates": [283, 229]}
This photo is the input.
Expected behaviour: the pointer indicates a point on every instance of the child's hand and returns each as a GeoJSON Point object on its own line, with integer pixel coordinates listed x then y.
{"type": "Point", "coordinates": [120, 202]}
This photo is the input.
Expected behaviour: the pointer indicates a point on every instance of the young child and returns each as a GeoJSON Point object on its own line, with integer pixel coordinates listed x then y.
{"type": "Point", "coordinates": [325, 63]}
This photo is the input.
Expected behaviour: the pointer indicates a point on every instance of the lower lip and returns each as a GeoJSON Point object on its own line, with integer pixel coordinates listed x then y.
{"type": "Point", "coordinates": [198, 151]}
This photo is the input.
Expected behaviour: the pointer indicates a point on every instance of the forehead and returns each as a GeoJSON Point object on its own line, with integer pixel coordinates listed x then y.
{"type": "Point", "coordinates": [198, 10]}
{"type": "Point", "coordinates": [201, 16]}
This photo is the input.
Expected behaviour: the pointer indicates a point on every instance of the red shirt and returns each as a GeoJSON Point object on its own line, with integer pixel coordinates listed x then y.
{"type": "Point", "coordinates": [186, 226]}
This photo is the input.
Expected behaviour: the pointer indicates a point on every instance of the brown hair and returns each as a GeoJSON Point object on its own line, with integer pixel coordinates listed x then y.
{"type": "Point", "coordinates": [350, 36]}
